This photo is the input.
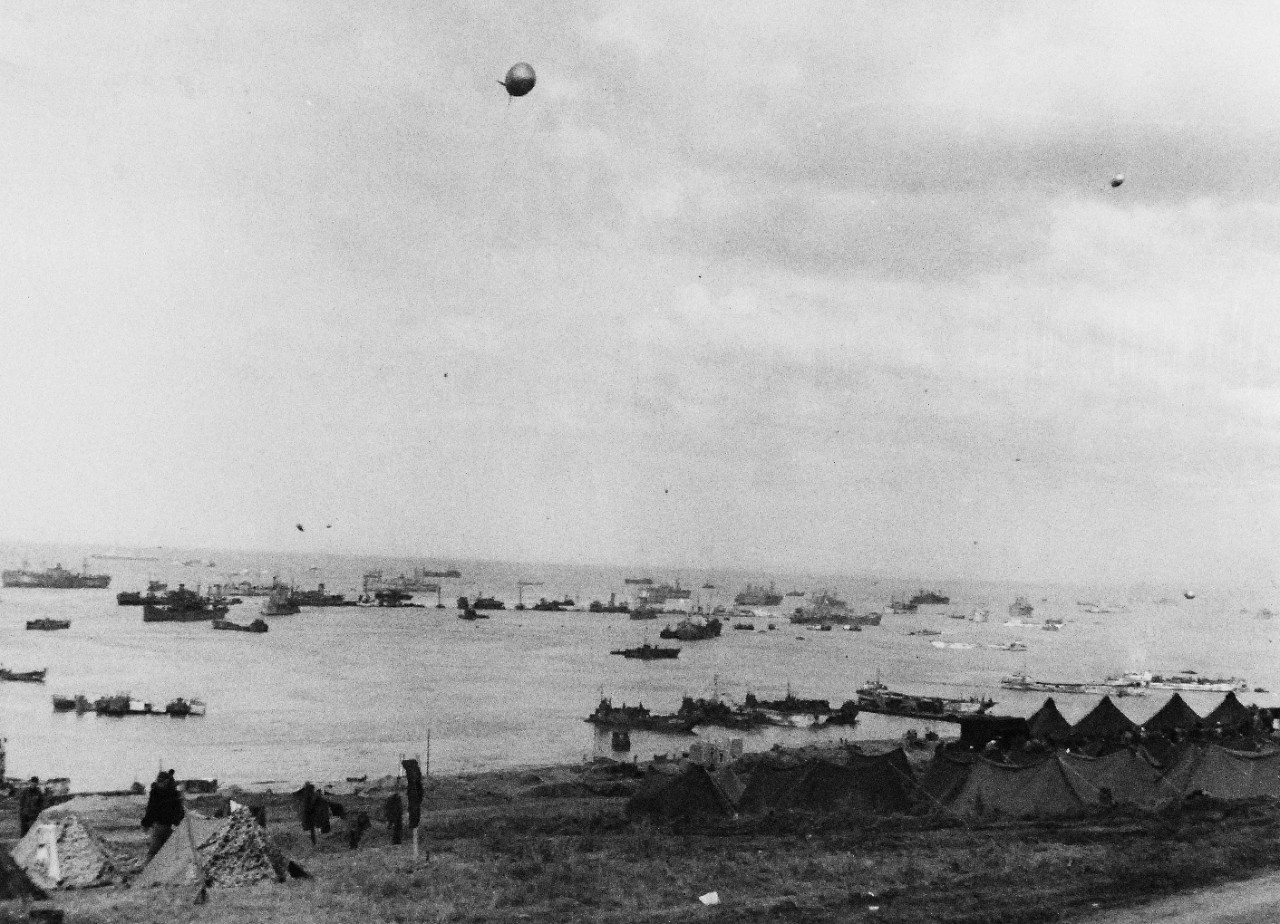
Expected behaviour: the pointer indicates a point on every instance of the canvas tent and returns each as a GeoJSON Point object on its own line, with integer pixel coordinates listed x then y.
{"type": "Point", "coordinates": [945, 776]}
{"type": "Point", "coordinates": [1175, 715]}
{"type": "Point", "coordinates": [766, 786]}
{"type": "Point", "coordinates": [977, 730]}
{"type": "Point", "coordinates": [692, 793]}
{"type": "Point", "coordinates": [1104, 722]}
{"type": "Point", "coordinates": [15, 883]}
{"type": "Point", "coordinates": [998, 790]}
{"type": "Point", "coordinates": [1048, 724]}
{"type": "Point", "coordinates": [178, 861]}
{"type": "Point", "coordinates": [225, 852]}
{"type": "Point", "coordinates": [1226, 774]}
{"type": "Point", "coordinates": [824, 786]}
{"type": "Point", "coordinates": [1123, 777]}
{"type": "Point", "coordinates": [60, 852]}
{"type": "Point", "coordinates": [1230, 713]}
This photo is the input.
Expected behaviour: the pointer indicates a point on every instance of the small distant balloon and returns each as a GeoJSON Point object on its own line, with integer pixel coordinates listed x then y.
{"type": "Point", "coordinates": [1117, 180]}
{"type": "Point", "coordinates": [520, 79]}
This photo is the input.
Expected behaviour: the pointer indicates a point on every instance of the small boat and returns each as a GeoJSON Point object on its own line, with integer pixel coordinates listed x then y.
{"type": "Point", "coordinates": [744, 626]}
{"type": "Point", "coordinates": [48, 625]}
{"type": "Point", "coordinates": [925, 632]}
{"type": "Point", "coordinates": [640, 581]}
{"type": "Point", "coordinates": [258, 625]}
{"type": "Point", "coordinates": [63, 703]}
{"type": "Point", "coordinates": [1009, 646]}
{"type": "Point", "coordinates": [647, 652]}
{"type": "Point", "coordinates": [470, 615]}
{"type": "Point", "coordinates": [795, 593]}
{"type": "Point", "coordinates": [181, 708]}
{"type": "Point", "coordinates": [23, 676]}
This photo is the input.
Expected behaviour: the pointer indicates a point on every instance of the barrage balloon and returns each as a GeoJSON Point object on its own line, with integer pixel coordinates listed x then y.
{"type": "Point", "coordinates": [520, 79]}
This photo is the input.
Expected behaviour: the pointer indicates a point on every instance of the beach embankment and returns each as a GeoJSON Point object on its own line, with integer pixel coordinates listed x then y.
{"type": "Point", "coordinates": [557, 844]}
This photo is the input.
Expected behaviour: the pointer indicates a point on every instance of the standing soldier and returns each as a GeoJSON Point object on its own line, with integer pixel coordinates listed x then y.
{"type": "Point", "coordinates": [30, 805]}
{"type": "Point", "coordinates": [164, 810]}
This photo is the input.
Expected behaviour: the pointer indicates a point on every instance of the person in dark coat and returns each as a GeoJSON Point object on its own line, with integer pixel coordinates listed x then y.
{"type": "Point", "coordinates": [313, 809]}
{"type": "Point", "coordinates": [164, 810]}
{"type": "Point", "coordinates": [30, 805]}
{"type": "Point", "coordinates": [393, 812]}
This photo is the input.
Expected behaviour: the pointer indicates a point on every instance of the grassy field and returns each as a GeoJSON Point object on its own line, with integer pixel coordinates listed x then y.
{"type": "Point", "coordinates": [555, 845]}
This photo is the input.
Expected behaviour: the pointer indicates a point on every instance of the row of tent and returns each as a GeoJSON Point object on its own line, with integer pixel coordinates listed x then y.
{"type": "Point", "coordinates": [60, 851]}
{"type": "Point", "coordinates": [1107, 721]}
{"type": "Point", "coordinates": [1064, 784]}
{"type": "Point", "coordinates": [963, 783]}
{"type": "Point", "coordinates": [882, 784]}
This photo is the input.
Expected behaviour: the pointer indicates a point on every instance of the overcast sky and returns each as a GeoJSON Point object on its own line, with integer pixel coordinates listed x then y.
{"type": "Point", "coordinates": [827, 286]}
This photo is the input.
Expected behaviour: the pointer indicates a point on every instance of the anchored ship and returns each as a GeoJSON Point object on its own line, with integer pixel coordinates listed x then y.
{"type": "Point", "coordinates": [57, 578]}
{"type": "Point", "coordinates": [758, 596]}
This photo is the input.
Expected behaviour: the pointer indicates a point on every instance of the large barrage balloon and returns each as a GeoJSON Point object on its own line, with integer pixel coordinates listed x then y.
{"type": "Point", "coordinates": [520, 79]}
{"type": "Point", "coordinates": [1117, 180]}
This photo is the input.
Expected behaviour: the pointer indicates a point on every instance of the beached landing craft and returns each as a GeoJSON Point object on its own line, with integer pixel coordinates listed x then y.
{"type": "Point", "coordinates": [48, 625]}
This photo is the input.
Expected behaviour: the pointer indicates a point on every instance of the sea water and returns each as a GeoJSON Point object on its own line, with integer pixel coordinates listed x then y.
{"type": "Point", "coordinates": [332, 693]}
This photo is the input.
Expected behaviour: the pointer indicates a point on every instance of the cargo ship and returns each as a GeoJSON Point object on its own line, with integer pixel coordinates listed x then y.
{"type": "Point", "coordinates": [317, 597]}
{"type": "Point", "coordinates": [56, 578]}
{"type": "Point", "coordinates": [280, 603]}
{"type": "Point", "coordinates": [758, 596]}
{"type": "Point", "coordinates": [1187, 681]}
{"type": "Point", "coordinates": [420, 581]}
{"type": "Point", "coordinates": [662, 594]}
{"type": "Point", "coordinates": [929, 598]}
{"type": "Point", "coordinates": [183, 605]}
{"type": "Point", "coordinates": [643, 582]}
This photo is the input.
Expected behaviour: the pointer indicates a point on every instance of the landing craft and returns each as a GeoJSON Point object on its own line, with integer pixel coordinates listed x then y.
{"type": "Point", "coordinates": [1117, 180]}
{"type": "Point", "coordinates": [520, 79]}
{"type": "Point", "coordinates": [1189, 595]}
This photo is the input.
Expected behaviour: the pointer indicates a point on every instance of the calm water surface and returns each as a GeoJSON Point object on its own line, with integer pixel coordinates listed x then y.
{"type": "Point", "coordinates": [331, 693]}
